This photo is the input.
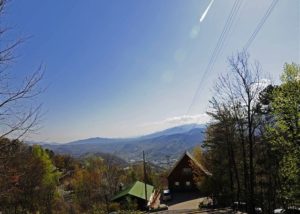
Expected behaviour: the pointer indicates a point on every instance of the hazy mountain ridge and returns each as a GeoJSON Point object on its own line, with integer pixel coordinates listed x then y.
{"type": "Point", "coordinates": [160, 147]}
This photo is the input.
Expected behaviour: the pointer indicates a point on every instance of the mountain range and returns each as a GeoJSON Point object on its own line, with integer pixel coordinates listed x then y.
{"type": "Point", "coordinates": [161, 148]}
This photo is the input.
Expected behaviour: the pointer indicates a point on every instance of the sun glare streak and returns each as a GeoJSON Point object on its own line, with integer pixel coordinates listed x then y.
{"type": "Point", "coordinates": [206, 11]}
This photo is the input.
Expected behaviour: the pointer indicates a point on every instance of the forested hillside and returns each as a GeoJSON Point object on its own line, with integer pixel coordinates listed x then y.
{"type": "Point", "coordinates": [161, 147]}
{"type": "Point", "coordinates": [252, 148]}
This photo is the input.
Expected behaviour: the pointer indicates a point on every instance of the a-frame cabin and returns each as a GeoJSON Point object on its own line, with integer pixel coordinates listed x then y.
{"type": "Point", "coordinates": [181, 176]}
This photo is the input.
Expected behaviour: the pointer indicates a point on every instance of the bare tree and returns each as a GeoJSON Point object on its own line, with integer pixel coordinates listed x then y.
{"type": "Point", "coordinates": [221, 112]}
{"type": "Point", "coordinates": [19, 110]}
{"type": "Point", "coordinates": [238, 92]}
{"type": "Point", "coordinates": [247, 87]}
{"type": "Point", "coordinates": [19, 113]}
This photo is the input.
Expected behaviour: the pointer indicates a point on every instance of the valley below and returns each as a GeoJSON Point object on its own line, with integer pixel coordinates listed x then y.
{"type": "Point", "coordinates": [161, 148]}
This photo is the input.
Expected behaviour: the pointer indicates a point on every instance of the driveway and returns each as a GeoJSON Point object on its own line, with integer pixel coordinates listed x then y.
{"type": "Point", "coordinates": [188, 203]}
{"type": "Point", "coordinates": [184, 205]}
{"type": "Point", "coordinates": [184, 201]}
{"type": "Point", "coordinates": [188, 211]}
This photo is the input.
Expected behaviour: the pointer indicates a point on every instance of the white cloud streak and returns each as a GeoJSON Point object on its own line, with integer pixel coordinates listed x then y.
{"type": "Point", "coordinates": [181, 120]}
{"type": "Point", "coordinates": [206, 11]}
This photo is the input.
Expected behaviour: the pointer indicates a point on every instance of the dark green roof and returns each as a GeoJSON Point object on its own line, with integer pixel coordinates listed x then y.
{"type": "Point", "coordinates": [136, 189]}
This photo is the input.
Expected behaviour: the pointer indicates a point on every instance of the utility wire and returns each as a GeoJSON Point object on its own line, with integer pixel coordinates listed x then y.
{"type": "Point", "coordinates": [230, 19]}
{"type": "Point", "coordinates": [235, 8]}
{"type": "Point", "coordinates": [260, 24]}
{"type": "Point", "coordinates": [222, 38]}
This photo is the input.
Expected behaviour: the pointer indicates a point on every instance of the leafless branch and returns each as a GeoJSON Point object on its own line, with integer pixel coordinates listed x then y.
{"type": "Point", "coordinates": [18, 113]}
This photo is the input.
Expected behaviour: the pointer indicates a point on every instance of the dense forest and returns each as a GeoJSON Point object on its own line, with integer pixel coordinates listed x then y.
{"type": "Point", "coordinates": [252, 147]}
{"type": "Point", "coordinates": [33, 179]}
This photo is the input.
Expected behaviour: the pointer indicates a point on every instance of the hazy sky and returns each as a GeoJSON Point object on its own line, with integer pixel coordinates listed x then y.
{"type": "Point", "coordinates": [117, 68]}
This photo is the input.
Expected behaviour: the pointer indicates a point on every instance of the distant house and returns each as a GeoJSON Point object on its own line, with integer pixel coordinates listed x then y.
{"type": "Point", "coordinates": [180, 178]}
{"type": "Point", "coordinates": [135, 193]}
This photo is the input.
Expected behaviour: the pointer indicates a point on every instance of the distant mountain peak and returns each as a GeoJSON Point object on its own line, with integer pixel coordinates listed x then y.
{"type": "Point", "coordinates": [175, 130]}
{"type": "Point", "coordinates": [160, 147]}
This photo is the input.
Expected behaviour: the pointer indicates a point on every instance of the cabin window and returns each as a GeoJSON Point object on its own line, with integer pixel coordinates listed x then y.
{"type": "Point", "coordinates": [176, 183]}
{"type": "Point", "coordinates": [188, 183]}
{"type": "Point", "coordinates": [187, 171]}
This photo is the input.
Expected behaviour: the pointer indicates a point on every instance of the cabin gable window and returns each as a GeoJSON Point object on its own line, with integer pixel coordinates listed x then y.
{"type": "Point", "coordinates": [187, 171]}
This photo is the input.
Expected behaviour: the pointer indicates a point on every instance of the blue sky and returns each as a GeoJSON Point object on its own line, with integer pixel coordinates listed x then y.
{"type": "Point", "coordinates": [118, 68]}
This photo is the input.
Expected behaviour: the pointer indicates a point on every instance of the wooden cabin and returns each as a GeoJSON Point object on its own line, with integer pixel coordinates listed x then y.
{"type": "Point", "coordinates": [181, 176]}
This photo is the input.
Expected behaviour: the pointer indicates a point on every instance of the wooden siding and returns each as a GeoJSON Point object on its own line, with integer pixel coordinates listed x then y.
{"type": "Point", "coordinates": [182, 173]}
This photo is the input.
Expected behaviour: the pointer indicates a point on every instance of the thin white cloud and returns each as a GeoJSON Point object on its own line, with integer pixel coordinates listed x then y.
{"type": "Point", "coordinates": [181, 120]}
{"type": "Point", "coordinates": [206, 11]}
{"type": "Point", "coordinates": [186, 119]}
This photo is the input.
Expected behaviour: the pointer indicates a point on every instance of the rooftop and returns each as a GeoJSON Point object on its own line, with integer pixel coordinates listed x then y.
{"type": "Point", "coordinates": [136, 189]}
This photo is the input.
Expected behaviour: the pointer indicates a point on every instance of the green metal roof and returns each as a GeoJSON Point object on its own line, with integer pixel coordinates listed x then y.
{"type": "Point", "coordinates": [136, 189]}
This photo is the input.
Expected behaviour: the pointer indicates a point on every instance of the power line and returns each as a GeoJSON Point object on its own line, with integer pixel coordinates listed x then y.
{"type": "Point", "coordinates": [230, 19]}
{"type": "Point", "coordinates": [222, 38]}
{"type": "Point", "coordinates": [260, 24]}
{"type": "Point", "coordinates": [145, 178]}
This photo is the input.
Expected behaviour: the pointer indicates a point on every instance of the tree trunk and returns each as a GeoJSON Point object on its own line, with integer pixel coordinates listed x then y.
{"type": "Point", "coordinates": [236, 173]}
{"type": "Point", "coordinates": [245, 164]}
{"type": "Point", "coordinates": [250, 138]}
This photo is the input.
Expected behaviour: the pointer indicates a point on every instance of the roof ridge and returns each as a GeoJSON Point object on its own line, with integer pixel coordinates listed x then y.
{"type": "Point", "coordinates": [194, 160]}
{"type": "Point", "coordinates": [198, 163]}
